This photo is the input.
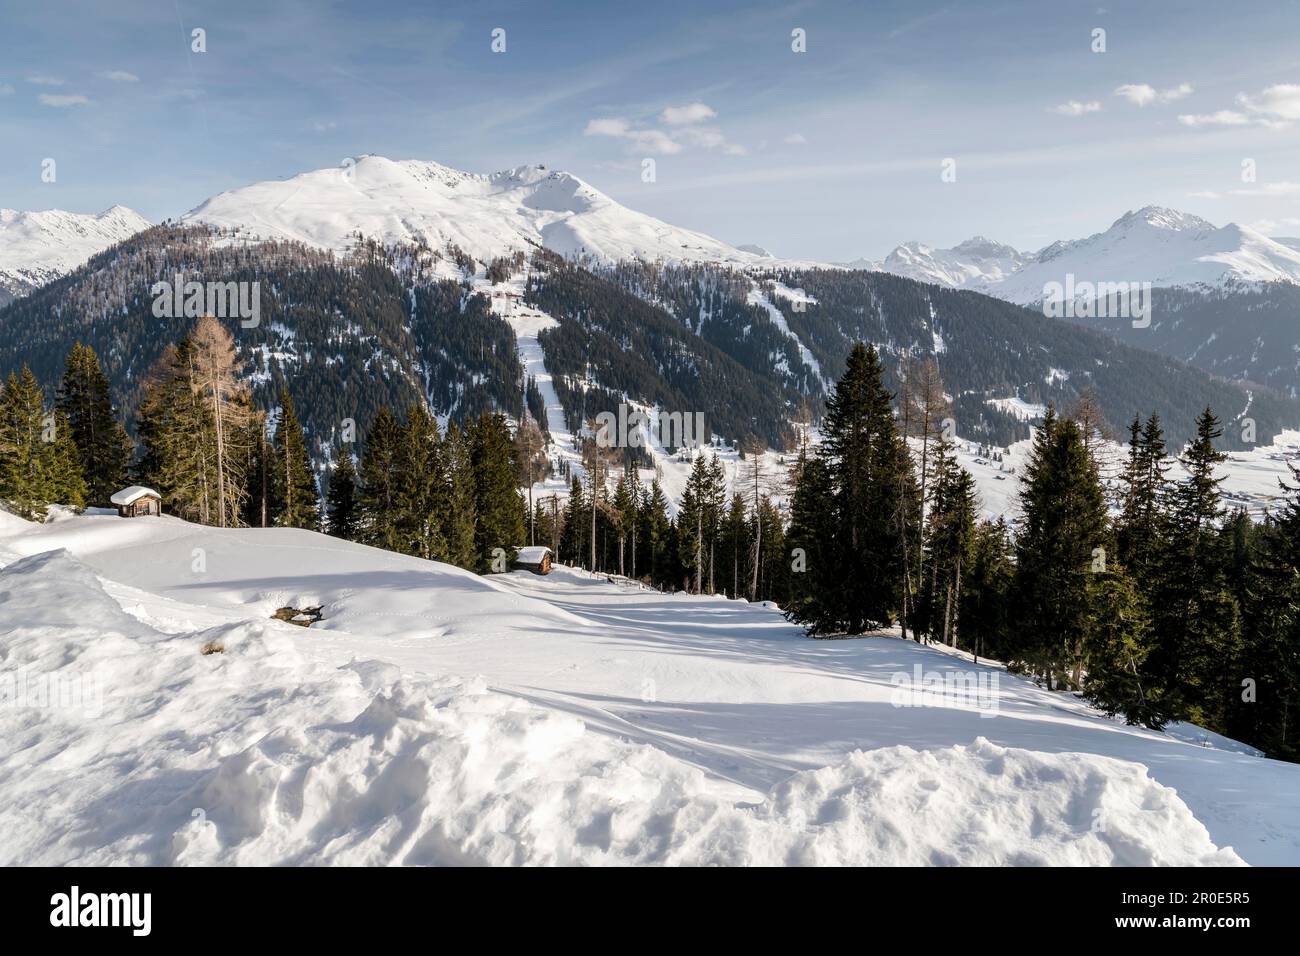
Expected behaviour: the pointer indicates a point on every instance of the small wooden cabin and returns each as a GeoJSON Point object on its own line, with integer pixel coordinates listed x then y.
{"type": "Point", "coordinates": [137, 501]}
{"type": "Point", "coordinates": [535, 559]}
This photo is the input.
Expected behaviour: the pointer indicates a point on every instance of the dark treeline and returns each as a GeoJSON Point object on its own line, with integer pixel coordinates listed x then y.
{"type": "Point", "coordinates": [1147, 598]}
{"type": "Point", "coordinates": [1156, 605]}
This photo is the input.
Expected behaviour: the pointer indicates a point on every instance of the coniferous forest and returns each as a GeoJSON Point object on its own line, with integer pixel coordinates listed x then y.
{"type": "Point", "coordinates": [1146, 597]}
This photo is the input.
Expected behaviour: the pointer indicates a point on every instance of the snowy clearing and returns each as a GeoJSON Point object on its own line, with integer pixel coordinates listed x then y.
{"type": "Point", "coordinates": [436, 717]}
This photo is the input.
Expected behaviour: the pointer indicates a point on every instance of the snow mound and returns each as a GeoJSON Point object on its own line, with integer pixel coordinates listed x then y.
{"type": "Point", "coordinates": [121, 744]}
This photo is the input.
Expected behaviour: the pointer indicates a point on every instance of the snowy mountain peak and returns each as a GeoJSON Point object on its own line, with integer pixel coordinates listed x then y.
{"type": "Point", "coordinates": [976, 263]}
{"type": "Point", "coordinates": [485, 215]}
{"type": "Point", "coordinates": [37, 247]}
{"type": "Point", "coordinates": [1155, 244]}
{"type": "Point", "coordinates": [1161, 217]}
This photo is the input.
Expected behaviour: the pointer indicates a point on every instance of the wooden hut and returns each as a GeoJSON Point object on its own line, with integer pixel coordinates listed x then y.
{"type": "Point", "coordinates": [536, 559]}
{"type": "Point", "coordinates": [137, 501]}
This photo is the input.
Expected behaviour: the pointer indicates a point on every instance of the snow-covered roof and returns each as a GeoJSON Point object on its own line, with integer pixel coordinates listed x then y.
{"type": "Point", "coordinates": [128, 495]}
{"type": "Point", "coordinates": [533, 555]}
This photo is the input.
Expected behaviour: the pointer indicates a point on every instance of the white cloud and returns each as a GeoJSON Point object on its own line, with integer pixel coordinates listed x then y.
{"type": "Point", "coordinates": [1144, 94]}
{"type": "Point", "coordinates": [40, 79]}
{"type": "Point", "coordinates": [796, 139]}
{"type": "Point", "coordinates": [1274, 107]}
{"type": "Point", "coordinates": [1075, 108]}
{"type": "Point", "coordinates": [607, 127]}
{"type": "Point", "coordinates": [120, 76]}
{"type": "Point", "coordinates": [650, 140]}
{"type": "Point", "coordinates": [325, 126]}
{"type": "Point", "coordinates": [655, 141]}
{"type": "Point", "coordinates": [61, 101]}
{"type": "Point", "coordinates": [1205, 194]}
{"type": "Point", "coordinates": [1279, 102]}
{"type": "Point", "coordinates": [1219, 118]}
{"type": "Point", "coordinates": [685, 115]}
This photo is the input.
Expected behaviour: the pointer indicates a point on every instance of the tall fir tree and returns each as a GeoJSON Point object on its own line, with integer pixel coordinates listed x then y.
{"type": "Point", "coordinates": [103, 447]}
{"type": "Point", "coordinates": [1061, 544]}
{"type": "Point", "coordinates": [295, 481]}
{"type": "Point", "coordinates": [460, 516]}
{"type": "Point", "coordinates": [421, 486]}
{"type": "Point", "coordinates": [377, 496]}
{"type": "Point", "coordinates": [341, 512]}
{"type": "Point", "coordinates": [499, 528]}
{"type": "Point", "coordinates": [1197, 624]}
{"type": "Point", "coordinates": [864, 454]}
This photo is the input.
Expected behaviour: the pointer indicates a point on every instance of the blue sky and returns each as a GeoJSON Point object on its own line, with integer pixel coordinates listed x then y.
{"type": "Point", "coordinates": [833, 153]}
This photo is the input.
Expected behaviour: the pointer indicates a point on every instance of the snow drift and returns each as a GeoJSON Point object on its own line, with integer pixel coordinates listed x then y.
{"type": "Point", "coordinates": [123, 744]}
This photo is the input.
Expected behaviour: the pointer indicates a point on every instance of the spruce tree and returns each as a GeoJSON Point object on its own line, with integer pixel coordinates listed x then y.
{"type": "Point", "coordinates": [295, 481]}
{"type": "Point", "coordinates": [1196, 619]}
{"type": "Point", "coordinates": [421, 486]}
{"type": "Point", "coordinates": [862, 448]}
{"type": "Point", "coordinates": [103, 447]}
{"type": "Point", "coordinates": [497, 502]}
{"type": "Point", "coordinates": [378, 493]}
{"type": "Point", "coordinates": [812, 547]}
{"type": "Point", "coordinates": [1060, 545]}
{"type": "Point", "coordinates": [460, 517]}
{"type": "Point", "coordinates": [26, 482]}
{"type": "Point", "coordinates": [341, 500]}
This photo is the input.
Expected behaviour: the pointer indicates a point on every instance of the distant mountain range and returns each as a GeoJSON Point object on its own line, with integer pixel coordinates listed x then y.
{"type": "Point", "coordinates": [37, 247]}
{"type": "Point", "coordinates": [460, 274]}
{"type": "Point", "coordinates": [1164, 247]}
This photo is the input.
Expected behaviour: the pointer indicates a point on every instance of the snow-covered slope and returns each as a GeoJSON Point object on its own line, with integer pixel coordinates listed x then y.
{"type": "Point", "coordinates": [974, 264]}
{"type": "Point", "coordinates": [434, 717]}
{"type": "Point", "coordinates": [1164, 247]}
{"type": "Point", "coordinates": [1160, 246]}
{"type": "Point", "coordinates": [37, 247]}
{"type": "Point", "coordinates": [485, 215]}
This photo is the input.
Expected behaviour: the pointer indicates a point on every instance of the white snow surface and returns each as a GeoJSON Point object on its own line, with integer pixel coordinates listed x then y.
{"type": "Point", "coordinates": [1154, 244]}
{"type": "Point", "coordinates": [485, 215]}
{"type": "Point", "coordinates": [437, 717]}
{"type": "Point", "coordinates": [38, 247]}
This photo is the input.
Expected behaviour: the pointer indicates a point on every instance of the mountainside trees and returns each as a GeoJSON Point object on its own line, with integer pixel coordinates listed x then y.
{"type": "Point", "coordinates": [39, 460]}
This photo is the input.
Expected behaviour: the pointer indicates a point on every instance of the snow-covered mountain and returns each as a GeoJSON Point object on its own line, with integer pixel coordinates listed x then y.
{"type": "Point", "coordinates": [974, 264]}
{"type": "Point", "coordinates": [1167, 248]}
{"type": "Point", "coordinates": [484, 215]}
{"type": "Point", "coordinates": [37, 247]}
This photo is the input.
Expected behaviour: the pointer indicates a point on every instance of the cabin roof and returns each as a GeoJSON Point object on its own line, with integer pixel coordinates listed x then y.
{"type": "Point", "coordinates": [533, 555]}
{"type": "Point", "coordinates": [129, 495]}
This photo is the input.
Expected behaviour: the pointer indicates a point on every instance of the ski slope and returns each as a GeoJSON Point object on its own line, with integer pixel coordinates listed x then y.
{"type": "Point", "coordinates": [437, 717]}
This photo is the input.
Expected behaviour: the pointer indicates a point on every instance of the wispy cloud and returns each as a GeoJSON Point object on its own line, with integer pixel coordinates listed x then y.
{"type": "Point", "coordinates": [683, 130]}
{"type": "Point", "coordinates": [1274, 107]}
{"type": "Point", "coordinates": [690, 113]}
{"type": "Point", "coordinates": [41, 79]}
{"type": "Point", "coordinates": [63, 101]}
{"type": "Point", "coordinates": [795, 139]}
{"type": "Point", "coordinates": [1077, 108]}
{"type": "Point", "coordinates": [1218, 118]}
{"type": "Point", "coordinates": [120, 76]}
{"type": "Point", "coordinates": [1144, 94]}
{"type": "Point", "coordinates": [1280, 102]}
